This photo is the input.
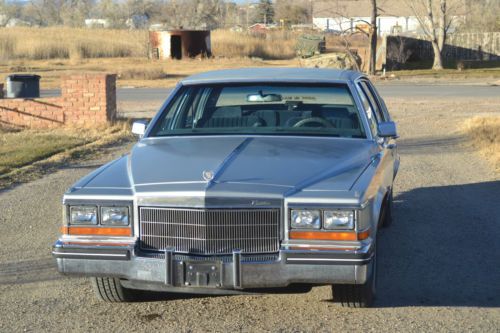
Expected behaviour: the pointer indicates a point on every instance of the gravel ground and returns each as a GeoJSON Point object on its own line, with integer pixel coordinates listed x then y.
{"type": "Point", "coordinates": [438, 263]}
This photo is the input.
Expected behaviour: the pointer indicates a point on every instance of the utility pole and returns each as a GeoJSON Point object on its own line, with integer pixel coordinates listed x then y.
{"type": "Point", "coordinates": [373, 38]}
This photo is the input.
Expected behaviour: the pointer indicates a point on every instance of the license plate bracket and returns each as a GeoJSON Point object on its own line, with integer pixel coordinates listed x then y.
{"type": "Point", "coordinates": [207, 274]}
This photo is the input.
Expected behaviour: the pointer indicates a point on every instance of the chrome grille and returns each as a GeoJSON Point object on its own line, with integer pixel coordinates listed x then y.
{"type": "Point", "coordinates": [210, 231]}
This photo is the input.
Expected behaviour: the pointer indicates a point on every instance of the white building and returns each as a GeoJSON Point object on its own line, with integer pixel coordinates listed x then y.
{"type": "Point", "coordinates": [385, 24]}
{"type": "Point", "coordinates": [97, 23]}
{"type": "Point", "coordinates": [7, 22]}
{"type": "Point", "coordinates": [347, 15]}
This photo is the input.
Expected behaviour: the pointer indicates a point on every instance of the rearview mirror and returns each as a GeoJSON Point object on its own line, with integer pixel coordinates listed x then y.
{"type": "Point", "coordinates": [139, 127]}
{"type": "Point", "coordinates": [261, 98]}
{"type": "Point", "coordinates": [387, 130]}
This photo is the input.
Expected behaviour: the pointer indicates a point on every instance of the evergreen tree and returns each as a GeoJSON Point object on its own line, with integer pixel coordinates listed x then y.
{"type": "Point", "coordinates": [265, 11]}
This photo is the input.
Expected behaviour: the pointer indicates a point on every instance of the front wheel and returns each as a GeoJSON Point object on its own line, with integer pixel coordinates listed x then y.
{"type": "Point", "coordinates": [357, 295]}
{"type": "Point", "coordinates": [111, 290]}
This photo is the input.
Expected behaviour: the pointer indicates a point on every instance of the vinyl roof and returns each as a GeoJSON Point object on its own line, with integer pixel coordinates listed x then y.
{"type": "Point", "coordinates": [249, 75]}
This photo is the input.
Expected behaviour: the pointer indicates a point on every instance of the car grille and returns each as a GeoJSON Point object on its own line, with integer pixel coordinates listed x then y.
{"type": "Point", "coordinates": [209, 231]}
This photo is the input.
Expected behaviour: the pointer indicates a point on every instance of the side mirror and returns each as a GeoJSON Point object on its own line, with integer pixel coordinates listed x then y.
{"type": "Point", "coordinates": [139, 127]}
{"type": "Point", "coordinates": [387, 130]}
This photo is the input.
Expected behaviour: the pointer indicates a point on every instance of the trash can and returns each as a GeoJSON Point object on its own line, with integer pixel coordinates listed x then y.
{"type": "Point", "coordinates": [23, 86]}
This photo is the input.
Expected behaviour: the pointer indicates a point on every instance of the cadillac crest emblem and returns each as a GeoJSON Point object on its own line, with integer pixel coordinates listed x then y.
{"type": "Point", "coordinates": [208, 175]}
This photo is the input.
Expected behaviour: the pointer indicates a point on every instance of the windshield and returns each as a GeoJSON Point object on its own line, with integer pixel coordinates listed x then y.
{"type": "Point", "coordinates": [261, 109]}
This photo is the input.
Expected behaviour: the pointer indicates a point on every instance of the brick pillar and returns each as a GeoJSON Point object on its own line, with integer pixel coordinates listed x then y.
{"type": "Point", "coordinates": [1, 90]}
{"type": "Point", "coordinates": [89, 99]}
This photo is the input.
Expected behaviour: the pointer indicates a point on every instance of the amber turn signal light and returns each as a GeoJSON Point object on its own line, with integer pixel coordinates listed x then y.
{"type": "Point", "coordinates": [330, 235]}
{"type": "Point", "coordinates": [96, 231]}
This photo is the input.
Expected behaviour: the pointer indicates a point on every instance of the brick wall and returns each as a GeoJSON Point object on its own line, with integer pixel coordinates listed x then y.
{"type": "Point", "coordinates": [86, 100]}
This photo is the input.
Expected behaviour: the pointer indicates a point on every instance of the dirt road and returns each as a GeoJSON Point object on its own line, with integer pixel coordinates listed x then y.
{"type": "Point", "coordinates": [438, 263]}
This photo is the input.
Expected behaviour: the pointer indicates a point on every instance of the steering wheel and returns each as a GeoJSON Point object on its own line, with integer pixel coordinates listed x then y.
{"type": "Point", "coordinates": [317, 120]}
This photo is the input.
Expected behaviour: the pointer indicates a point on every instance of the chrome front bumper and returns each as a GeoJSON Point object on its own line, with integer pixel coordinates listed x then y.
{"type": "Point", "coordinates": [181, 273]}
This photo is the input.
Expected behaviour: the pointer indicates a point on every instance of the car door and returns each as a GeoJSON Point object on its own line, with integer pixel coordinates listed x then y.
{"type": "Point", "coordinates": [375, 108]}
{"type": "Point", "coordinates": [391, 143]}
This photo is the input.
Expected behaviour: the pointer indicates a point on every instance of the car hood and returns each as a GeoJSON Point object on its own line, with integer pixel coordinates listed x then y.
{"type": "Point", "coordinates": [281, 165]}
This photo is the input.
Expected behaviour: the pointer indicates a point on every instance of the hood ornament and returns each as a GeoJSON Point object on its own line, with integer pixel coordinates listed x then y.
{"type": "Point", "coordinates": [208, 175]}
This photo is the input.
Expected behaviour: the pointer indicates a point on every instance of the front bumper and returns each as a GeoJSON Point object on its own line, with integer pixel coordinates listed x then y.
{"type": "Point", "coordinates": [170, 271]}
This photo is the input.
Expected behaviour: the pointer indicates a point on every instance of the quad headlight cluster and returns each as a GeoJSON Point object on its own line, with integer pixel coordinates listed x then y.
{"type": "Point", "coordinates": [322, 219]}
{"type": "Point", "coordinates": [104, 215]}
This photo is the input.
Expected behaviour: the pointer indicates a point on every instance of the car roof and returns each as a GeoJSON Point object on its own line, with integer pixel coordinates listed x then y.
{"type": "Point", "coordinates": [276, 75]}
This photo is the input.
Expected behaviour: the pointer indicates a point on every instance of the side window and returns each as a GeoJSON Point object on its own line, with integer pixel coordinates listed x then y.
{"type": "Point", "coordinates": [381, 102]}
{"type": "Point", "coordinates": [376, 107]}
{"type": "Point", "coordinates": [166, 123]}
{"type": "Point", "coordinates": [183, 117]}
{"type": "Point", "coordinates": [368, 109]}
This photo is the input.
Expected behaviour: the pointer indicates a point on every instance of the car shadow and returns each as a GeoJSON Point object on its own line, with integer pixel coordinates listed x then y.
{"type": "Point", "coordinates": [433, 145]}
{"type": "Point", "coordinates": [443, 248]}
{"type": "Point", "coordinates": [149, 296]}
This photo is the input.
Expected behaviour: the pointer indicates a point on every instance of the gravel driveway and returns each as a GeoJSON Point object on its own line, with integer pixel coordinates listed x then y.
{"type": "Point", "coordinates": [439, 263]}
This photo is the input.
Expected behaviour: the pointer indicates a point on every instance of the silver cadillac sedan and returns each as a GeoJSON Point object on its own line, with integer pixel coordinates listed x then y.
{"type": "Point", "coordinates": [245, 180]}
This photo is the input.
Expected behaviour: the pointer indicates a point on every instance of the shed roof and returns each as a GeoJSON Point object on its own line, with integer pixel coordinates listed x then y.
{"type": "Point", "coordinates": [161, 27]}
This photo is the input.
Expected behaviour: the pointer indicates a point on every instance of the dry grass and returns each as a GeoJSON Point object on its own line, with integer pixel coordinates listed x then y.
{"type": "Point", "coordinates": [80, 43]}
{"type": "Point", "coordinates": [156, 72]}
{"type": "Point", "coordinates": [21, 148]}
{"type": "Point", "coordinates": [28, 154]}
{"type": "Point", "coordinates": [276, 45]}
{"type": "Point", "coordinates": [484, 133]}
{"type": "Point", "coordinates": [51, 52]}
{"type": "Point", "coordinates": [138, 72]}
{"type": "Point", "coordinates": [32, 50]}
{"type": "Point", "coordinates": [70, 43]}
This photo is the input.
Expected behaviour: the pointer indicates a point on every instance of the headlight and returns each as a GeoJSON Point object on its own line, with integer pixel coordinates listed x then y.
{"type": "Point", "coordinates": [338, 219]}
{"type": "Point", "coordinates": [83, 215]}
{"type": "Point", "coordinates": [305, 219]}
{"type": "Point", "coordinates": [114, 216]}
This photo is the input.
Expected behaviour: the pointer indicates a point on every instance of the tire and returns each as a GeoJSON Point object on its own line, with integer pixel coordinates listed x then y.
{"type": "Point", "coordinates": [110, 290]}
{"type": "Point", "coordinates": [357, 295]}
{"type": "Point", "coordinates": [386, 214]}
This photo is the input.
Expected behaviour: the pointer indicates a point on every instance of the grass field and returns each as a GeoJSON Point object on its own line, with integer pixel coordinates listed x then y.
{"type": "Point", "coordinates": [450, 73]}
{"type": "Point", "coordinates": [27, 154]}
{"type": "Point", "coordinates": [21, 148]}
{"type": "Point", "coordinates": [71, 43]}
{"type": "Point", "coordinates": [51, 52]}
{"type": "Point", "coordinates": [138, 72]}
{"type": "Point", "coordinates": [79, 43]}
{"type": "Point", "coordinates": [484, 133]}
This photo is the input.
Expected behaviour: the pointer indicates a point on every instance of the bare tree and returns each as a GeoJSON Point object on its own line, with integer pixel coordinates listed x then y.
{"type": "Point", "coordinates": [46, 12]}
{"type": "Point", "coordinates": [74, 12]}
{"type": "Point", "coordinates": [435, 20]}
{"type": "Point", "coordinates": [8, 11]}
{"type": "Point", "coordinates": [481, 16]}
{"type": "Point", "coordinates": [58, 12]}
{"type": "Point", "coordinates": [398, 52]}
{"type": "Point", "coordinates": [338, 10]}
{"type": "Point", "coordinates": [293, 12]}
{"type": "Point", "coordinates": [203, 14]}
{"type": "Point", "coordinates": [112, 12]}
